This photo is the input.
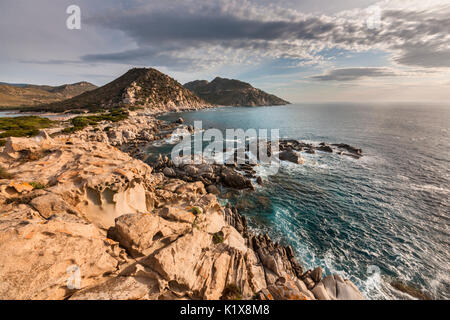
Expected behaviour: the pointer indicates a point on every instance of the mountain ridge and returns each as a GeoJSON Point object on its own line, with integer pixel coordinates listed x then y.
{"type": "Point", "coordinates": [28, 95]}
{"type": "Point", "coordinates": [232, 92]}
{"type": "Point", "coordinates": [139, 87]}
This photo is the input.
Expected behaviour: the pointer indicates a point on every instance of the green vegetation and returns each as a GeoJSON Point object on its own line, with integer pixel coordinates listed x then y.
{"type": "Point", "coordinates": [23, 126]}
{"type": "Point", "coordinates": [231, 292]}
{"type": "Point", "coordinates": [196, 210]}
{"type": "Point", "coordinates": [218, 237]}
{"type": "Point", "coordinates": [37, 185]}
{"type": "Point", "coordinates": [81, 122]}
{"type": "Point", "coordinates": [5, 174]}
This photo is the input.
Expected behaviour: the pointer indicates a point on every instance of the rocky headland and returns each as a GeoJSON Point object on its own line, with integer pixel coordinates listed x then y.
{"type": "Point", "coordinates": [80, 204]}
{"type": "Point", "coordinates": [231, 92]}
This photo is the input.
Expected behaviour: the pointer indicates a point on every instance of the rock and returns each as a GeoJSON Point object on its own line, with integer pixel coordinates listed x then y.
{"type": "Point", "coordinates": [245, 204]}
{"type": "Point", "coordinates": [291, 156]}
{"type": "Point", "coordinates": [410, 290]}
{"type": "Point", "coordinates": [180, 121]}
{"type": "Point", "coordinates": [320, 292]}
{"type": "Point", "coordinates": [21, 187]}
{"type": "Point", "coordinates": [213, 189]}
{"type": "Point", "coordinates": [259, 180]}
{"type": "Point", "coordinates": [286, 292]}
{"type": "Point", "coordinates": [235, 180]}
{"type": "Point", "coordinates": [316, 274]}
{"type": "Point", "coordinates": [39, 260]}
{"type": "Point", "coordinates": [309, 282]}
{"type": "Point", "coordinates": [169, 172]}
{"type": "Point", "coordinates": [137, 233]}
{"type": "Point", "coordinates": [325, 148]}
{"type": "Point", "coordinates": [178, 215]}
{"type": "Point", "coordinates": [349, 148]}
{"type": "Point", "coordinates": [338, 289]}
{"type": "Point", "coordinates": [120, 288]}
{"type": "Point", "coordinates": [51, 204]}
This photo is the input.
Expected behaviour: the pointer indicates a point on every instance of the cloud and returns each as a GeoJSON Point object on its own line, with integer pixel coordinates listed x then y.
{"type": "Point", "coordinates": [225, 32]}
{"type": "Point", "coordinates": [351, 74]}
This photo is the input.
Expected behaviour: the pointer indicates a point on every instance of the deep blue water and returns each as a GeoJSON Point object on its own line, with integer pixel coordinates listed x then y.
{"type": "Point", "coordinates": [388, 211]}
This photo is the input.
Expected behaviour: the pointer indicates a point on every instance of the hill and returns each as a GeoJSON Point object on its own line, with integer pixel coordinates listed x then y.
{"type": "Point", "coordinates": [229, 92]}
{"type": "Point", "coordinates": [139, 87]}
{"type": "Point", "coordinates": [25, 95]}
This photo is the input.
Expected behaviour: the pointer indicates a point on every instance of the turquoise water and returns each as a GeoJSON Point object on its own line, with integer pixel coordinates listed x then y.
{"type": "Point", "coordinates": [383, 217]}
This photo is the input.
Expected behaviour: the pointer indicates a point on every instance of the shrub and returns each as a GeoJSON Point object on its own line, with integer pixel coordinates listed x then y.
{"type": "Point", "coordinates": [196, 210]}
{"type": "Point", "coordinates": [81, 122]}
{"type": "Point", "coordinates": [27, 126]}
{"type": "Point", "coordinates": [37, 185]}
{"type": "Point", "coordinates": [218, 237]}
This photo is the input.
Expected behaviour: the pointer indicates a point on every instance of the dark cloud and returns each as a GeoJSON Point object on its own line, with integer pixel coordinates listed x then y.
{"type": "Point", "coordinates": [351, 74]}
{"type": "Point", "coordinates": [163, 32]}
{"type": "Point", "coordinates": [425, 56]}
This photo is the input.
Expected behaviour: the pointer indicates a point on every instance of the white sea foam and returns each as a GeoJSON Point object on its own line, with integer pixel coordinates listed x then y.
{"type": "Point", "coordinates": [430, 188]}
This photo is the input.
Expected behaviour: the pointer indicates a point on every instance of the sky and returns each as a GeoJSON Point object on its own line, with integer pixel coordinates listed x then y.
{"type": "Point", "coordinates": [300, 50]}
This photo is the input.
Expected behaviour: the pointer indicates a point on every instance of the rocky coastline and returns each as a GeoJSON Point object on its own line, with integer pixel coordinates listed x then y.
{"type": "Point", "coordinates": [83, 217]}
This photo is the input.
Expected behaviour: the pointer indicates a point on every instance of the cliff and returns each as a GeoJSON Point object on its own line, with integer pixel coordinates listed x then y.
{"type": "Point", "coordinates": [75, 205]}
{"type": "Point", "coordinates": [227, 92]}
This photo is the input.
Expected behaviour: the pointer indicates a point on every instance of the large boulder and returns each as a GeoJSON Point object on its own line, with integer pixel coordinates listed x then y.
{"type": "Point", "coordinates": [291, 156]}
{"type": "Point", "coordinates": [50, 260]}
{"type": "Point", "coordinates": [335, 287]}
{"type": "Point", "coordinates": [235, 180]}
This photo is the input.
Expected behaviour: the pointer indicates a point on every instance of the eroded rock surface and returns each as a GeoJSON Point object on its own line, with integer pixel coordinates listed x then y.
{"type": "Point", "coordinates": [78, 204]}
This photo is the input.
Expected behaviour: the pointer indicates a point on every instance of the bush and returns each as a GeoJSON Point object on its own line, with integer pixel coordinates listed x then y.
{"type": "Point", "coordinates": [37, 185]}
{"type": "Point", "coordinates": [81, 122]}
{"type": "Point", "coordinates": [23, 126]}
{"type": "Point", "coordinates": [196, 210]}
{"type": "Point", "coordinates": [218, 237]}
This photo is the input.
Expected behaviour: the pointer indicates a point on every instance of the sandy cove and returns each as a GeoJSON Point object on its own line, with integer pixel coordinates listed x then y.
{"type": "Point", "coordinates": [77, 201]}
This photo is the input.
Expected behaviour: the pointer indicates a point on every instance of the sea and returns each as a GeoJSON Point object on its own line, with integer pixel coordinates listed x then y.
{"type": "Point", "coordinates": [375, 220]}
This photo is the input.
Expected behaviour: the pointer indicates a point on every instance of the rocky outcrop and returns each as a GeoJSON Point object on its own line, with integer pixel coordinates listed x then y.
{"type": "Point", "coordinates": [209, 174]}
{"type": "Point", "coordinates": [41, 256]}
{"type": "Point", "coordinates": [80, 219]}
{"type": "Point", "coordinates": [291, 156]}
{"type": "Point", "coordinates": [228, 92]}
{"type": "Point", "coordinates": [287, 148]}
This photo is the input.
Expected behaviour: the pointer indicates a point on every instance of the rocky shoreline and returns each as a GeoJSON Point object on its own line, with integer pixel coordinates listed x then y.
{"type": "Point", "coordinates": [80, 204]}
